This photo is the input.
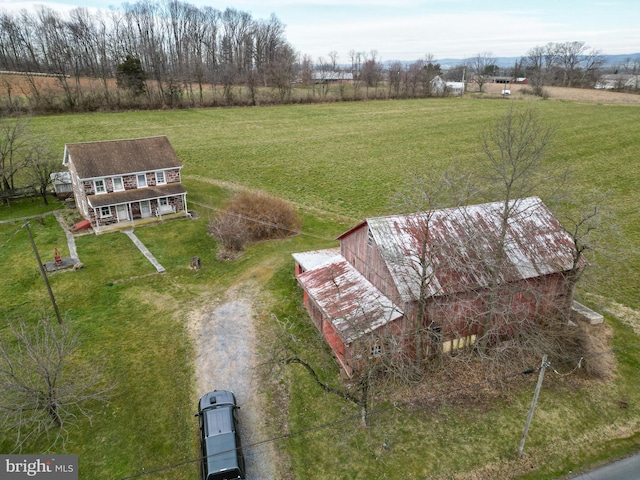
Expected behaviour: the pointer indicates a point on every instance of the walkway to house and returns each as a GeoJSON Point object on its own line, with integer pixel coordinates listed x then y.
{"type": "Point", "coordinates": [71, 240]}
{"type": "Point", "coordinates": [145, 251]}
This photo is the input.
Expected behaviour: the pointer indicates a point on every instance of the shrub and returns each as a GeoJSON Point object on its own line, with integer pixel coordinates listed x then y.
{"type": "Point", "coordinates": [252, 217]}
{"type": "Point", "coordinates": [230, 231]}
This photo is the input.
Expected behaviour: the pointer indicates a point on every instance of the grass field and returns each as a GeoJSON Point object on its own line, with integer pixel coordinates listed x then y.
{"type": "Point", "coordinates": [339, 163]}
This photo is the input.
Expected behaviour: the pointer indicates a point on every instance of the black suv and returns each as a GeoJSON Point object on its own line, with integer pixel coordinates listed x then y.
{"type": "Point", "coordinates": [221, 454]}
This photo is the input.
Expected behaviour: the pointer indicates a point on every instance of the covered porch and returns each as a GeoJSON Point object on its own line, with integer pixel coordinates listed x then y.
{"type": "Point", "coordinates": [136, 207]}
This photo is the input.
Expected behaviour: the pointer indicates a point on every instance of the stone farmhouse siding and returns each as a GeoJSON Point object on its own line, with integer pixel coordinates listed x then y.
{"type": "Point", "coordinates": [123, 181]}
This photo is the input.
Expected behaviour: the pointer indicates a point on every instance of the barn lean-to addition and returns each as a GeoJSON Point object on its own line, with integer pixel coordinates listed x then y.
{"type": "Point", "coordinates": [121, 182]}
{"type": "Point", "coordinates": [448, 262]}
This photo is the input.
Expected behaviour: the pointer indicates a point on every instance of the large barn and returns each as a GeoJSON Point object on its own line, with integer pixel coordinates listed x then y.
{"type": "Point", "coordinates": [458, 263]}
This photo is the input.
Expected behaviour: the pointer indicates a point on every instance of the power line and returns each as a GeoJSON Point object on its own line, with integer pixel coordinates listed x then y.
{"type": "Point", "coordinates": [378, 411]}
{"type": "Point", "coordinates": [11, 237]}
{"type": "Point", "coordinates": [262, 222]}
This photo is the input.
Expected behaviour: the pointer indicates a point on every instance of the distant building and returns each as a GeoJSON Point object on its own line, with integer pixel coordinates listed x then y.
{"type": "Point", "coordinates": [618, 81]}
{"type": "Point", "coordinates": [331, 77]}
{"type": "Point", "coordinates": [440, 87]}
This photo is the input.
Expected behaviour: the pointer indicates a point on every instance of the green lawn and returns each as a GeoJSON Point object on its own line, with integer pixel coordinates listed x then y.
{"type": "Point", "coordinates": [339, 163]}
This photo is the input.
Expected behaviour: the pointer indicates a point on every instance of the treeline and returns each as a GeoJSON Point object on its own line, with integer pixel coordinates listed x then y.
{"type": "Point", "coordinates": [162, 54]}
{"type": "Point", "coordinates": [170, 54]}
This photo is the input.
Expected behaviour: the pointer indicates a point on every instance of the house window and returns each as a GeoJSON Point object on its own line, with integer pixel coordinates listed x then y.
{"type": "Point", "coordinates": [142, 180]}
{"type": "Point", "coordinates": [118, 184]}
{"type": "Point", "coordinates": [160, 178]}
{"type": "Point", "coordinates": [100, 186]}
{"type": "Point", "coordinates": [376, 350]}
{"type": "Point", "coordinates": [105, 212]}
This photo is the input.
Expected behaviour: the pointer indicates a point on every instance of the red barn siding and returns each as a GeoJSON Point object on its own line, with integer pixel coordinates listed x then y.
{"type": "Point", "coordinates": [365, 257]}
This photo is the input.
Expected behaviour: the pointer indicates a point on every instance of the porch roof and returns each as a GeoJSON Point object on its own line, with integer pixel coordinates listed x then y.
{"type": "Point", "coordinates": [135, 195]}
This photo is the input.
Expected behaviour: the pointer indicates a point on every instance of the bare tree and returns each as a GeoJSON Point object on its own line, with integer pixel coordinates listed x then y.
{"type": "Point", "coordinates": [482, 66]}
{"type": "Point", "coordinates": [592, 65]}
{"type": "Point", "coordinates": [396, 71]}
{"type": "Point", "coordinates": [513, 166]}
{"type": "Point", "coordinates": [570, 57]}
{"type": "Point", "coordinates": [14, 145]}
{"type": "Point", "coordinates": [427, 192]}
{"type": "Point", "coordinates": [44, 386]}
{"type": "Point", "coordinates": [282, 70]}
{"type": "Point", "coordinates": [371, 73]}
{"type": "Point", "coordinates": [537, 72]}
{"type": "Point", "coordinates": [40, 163]}
{"type": "Point", "coordinates": [287, 349]}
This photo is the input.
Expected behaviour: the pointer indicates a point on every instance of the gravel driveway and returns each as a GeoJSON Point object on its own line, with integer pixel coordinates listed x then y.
{"type": "Point", "coordinates": [224, 338]}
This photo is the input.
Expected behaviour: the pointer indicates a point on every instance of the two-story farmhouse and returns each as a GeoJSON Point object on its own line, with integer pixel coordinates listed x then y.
{"type": "Point", "coordinates": [124, 181]}
{"type": "Point", "coordinates": [446, 269]}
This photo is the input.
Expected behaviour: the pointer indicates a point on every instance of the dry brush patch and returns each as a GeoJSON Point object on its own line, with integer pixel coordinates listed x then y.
{"type": "Point", "coordinates": [252, 217]}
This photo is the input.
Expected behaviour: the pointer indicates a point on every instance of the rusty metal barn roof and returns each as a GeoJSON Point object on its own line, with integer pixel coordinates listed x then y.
{"type": "Point", "coordinates": [354, 306]}
{"type": "Point", "coordinates": [461, 252]}
{"type": "Point", "coordinates": [312, 259]}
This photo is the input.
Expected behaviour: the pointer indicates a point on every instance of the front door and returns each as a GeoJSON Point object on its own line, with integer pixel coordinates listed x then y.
{"type": "Point", "coordinates": [123, 212]}
{"type": "Point", "coordinates": [145, 209]}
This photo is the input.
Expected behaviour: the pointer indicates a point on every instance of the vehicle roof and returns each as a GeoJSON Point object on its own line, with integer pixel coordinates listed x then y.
{"type": "Point", "coordinates": [222, 453]}
{"type": "Point", "coordinates": [218, 421]}
{"type": "Point", "coordinates": [215, 399]}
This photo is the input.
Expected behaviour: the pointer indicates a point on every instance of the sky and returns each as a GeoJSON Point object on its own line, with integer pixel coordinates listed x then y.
{"type": "Point", "coordinates": [410, 29]}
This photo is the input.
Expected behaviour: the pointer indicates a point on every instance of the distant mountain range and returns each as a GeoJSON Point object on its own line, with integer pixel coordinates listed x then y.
{"type": "Point", "coordinates": [505, 62]}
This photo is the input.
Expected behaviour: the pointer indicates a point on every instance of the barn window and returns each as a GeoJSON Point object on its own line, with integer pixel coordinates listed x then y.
{"type": "Point", "coordinates": [458, 343]}
{"type": "Point", "coordinates": [369, 239]}
{"type": "Point", "coordinates": [376, 350]}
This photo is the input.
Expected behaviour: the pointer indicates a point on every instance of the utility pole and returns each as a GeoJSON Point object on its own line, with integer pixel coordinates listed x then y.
{"type": "Point", "coordinates": [544, 365]}
{"type": "Point", "coordinates": [44, 274]}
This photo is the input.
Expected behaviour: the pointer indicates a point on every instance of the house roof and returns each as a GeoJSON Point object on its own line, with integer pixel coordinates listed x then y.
{"type": "Point", "coordinates": [331, 75]}
{"type": "Point", "coordinates": [60, 178]}
{"type": "Point", "coordinates": [135, 195]}
{"type": "Point", "coordinates": [117, 157]}
{"type": "Point", "coordinates": [354, 306]}
{"type": "Point", "coordinates": [461, 246]}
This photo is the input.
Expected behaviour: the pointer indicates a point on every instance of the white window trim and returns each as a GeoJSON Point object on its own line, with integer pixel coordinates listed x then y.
{"type": "Point", "coordinates": [102, 215]}
{"type": "Point", "coordinates": [138, 180]}
{"type": "Point", "coordinates": [104, 186]}
{"type": "Point", "coordinates": [113, 180]}
{"type": "Point", "coordinates": [164, 178]}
